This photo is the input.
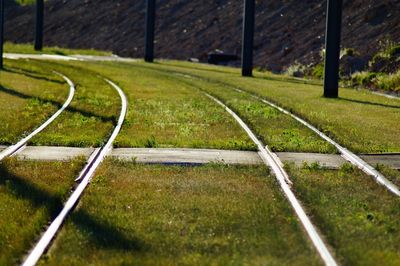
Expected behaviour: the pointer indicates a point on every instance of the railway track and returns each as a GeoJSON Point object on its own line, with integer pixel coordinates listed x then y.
{"type": "Point", "coordinates": [272, 161]}
{"type": "Point", "coordinates": [345, 153]}
{"type": "Point", "coordinates": [12, 150]}
{"type": "Point", "coordinates": [85, 177]}
{"type": "Point", "coordinates": [269, 158]}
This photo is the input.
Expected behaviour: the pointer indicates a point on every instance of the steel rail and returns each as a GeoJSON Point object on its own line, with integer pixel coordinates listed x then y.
{"type": "Point", "coordinates": [20, 144]}
{"type": "Point", "coordinates": [345, 153]}
{"type": "Point", "coordinates": [95, 161]}
{"type": "Point", "coordinates": [271, 160]}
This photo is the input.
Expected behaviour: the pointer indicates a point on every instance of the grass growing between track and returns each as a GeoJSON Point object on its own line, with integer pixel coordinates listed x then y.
{"type": "Point", "coordinates": [359, 218]}
{"type": "Point", "coordinates": [359, 120]}
{"type": "Point", "coordinates": [28, 49]}
{"type": "Point", "coordinates": [31, 194]}
{"type": "Point", "coordinates": [165, 113]}
{"type": "Point", "coordinates": [91, 116]}
{"type": "Point", "coordinates": [280, 132]}
{"type": "Point", "coordinates": [164, 215]}
{"type": "Point", "coordinates": [28, 97]}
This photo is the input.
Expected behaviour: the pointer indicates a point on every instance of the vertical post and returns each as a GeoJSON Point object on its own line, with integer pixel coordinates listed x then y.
{"type": "Point", "coordinates": [1, 32]}
{"type": "Point", "coordinates": [150, 25]}
{"type": "Point", "coordinates": [39, 25]}
{"type": "Point", "coordinates": [332, 48]}
{"type": "Point", "coordinates": [248, 38]}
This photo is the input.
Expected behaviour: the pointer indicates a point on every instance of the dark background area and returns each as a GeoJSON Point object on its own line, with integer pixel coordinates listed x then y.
{"type": "Point", "coordinates": [286, 31]}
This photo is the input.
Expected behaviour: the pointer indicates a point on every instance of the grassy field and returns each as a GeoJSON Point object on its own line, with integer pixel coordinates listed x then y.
{"type": "Point", "coordinates": [358, 217]}
{"type": "Point", "coordinates": [353, 119]}
{"type": "Point", "coordinates": [28, 97]}
{"type": "Point", "coordinates": [28, 49]}
{"type": "Point", "coordinates": [159, 215]}
{"type": "Point", "coordinates": [30, 195]}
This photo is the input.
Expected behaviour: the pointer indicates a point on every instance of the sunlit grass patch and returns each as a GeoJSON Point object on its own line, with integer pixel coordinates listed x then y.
{"type": "Point", "coordinates": [359, 120]}
{"type": "Point", "coordinates": [31, 194]}
{"type": "Point", "coordinates": [358, 217]}
{"type": "Point", "coordinates": [166, 113]}
{"type": "Point", "coordinates": [28, 97]}
{"type": "Point", "coordinates": [161, 215]}
{"type": "Point", "coordinates": [29, 49]}
{"type": "Point", "coordinates": [91, 116]}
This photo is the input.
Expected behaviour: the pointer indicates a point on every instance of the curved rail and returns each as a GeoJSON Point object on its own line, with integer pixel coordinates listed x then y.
{"type": "Point", "coordinates": [346, 154]}
{"type": "Point", "coordinates": [87, 174]}
{"type": "Point", "coordinates": [271, 160]}
{"type": "Point", "coordinates": [17, 147]}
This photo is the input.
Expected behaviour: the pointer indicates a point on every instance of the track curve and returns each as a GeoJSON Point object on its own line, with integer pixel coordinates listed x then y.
{"type": "Point", "coordinates": [271, 160]}
{"type": "Point", "coordinates": [17, 147]}
{"type": "Point", "coordinates": [345, 153]}
{"type": "Point", "coordinates": [86, 176]}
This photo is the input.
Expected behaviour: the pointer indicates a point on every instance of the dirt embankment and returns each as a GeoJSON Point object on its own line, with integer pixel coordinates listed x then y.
{"type": "Point", "coordinates": [286, 30]}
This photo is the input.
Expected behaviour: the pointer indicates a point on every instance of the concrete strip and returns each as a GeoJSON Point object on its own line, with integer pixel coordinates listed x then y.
{"type": "Point", "coordinates": [330, 161]}
{"type": "Point", "coordinates": [199, 156]}
{"type": "Point", "coordinates": [392, 160]}
{"type": "Point", "coordinates": [39, 57]}
{"type": "Point", "coordinates": [186, 156]}
{"type": "Point", "coordinates": [47, 153]}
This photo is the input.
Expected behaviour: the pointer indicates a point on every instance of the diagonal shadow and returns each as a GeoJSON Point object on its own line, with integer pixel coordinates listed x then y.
{"type": "Point", "coordinates": [369, 103]}
{"type": "Point", "coordinates": [89, 114]}
{"type": "Point", "coordinates": [31, 74]}
{"type": "Point", "coordinates": [101, 233]}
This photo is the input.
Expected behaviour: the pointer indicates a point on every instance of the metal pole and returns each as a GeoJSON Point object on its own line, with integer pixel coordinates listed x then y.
{"type": "Point", "coordinates": [248, 38]}
{"type": "Point", "coordinates": [39, 25]}
{"type": "Point", "coordinates": [332, 46]}
{"type": "Point", "coordinates": [1, 32]}
{"type": "Point", "coordinates": [150, 25]}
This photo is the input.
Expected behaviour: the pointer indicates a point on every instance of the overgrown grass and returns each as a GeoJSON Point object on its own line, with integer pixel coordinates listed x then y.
{"type": "Point", "coordinates": [28, 97]}
{"type": "Point", "coordinates": [28, 49]}
{"type": "Point", "coordinates": [360, 121]}
{"type": "Point", "coordinates": [358, 217]}
{"type": "Point", "coordinates": [31, 194]}
{"type": "Point", "coordinates": [159, 215]}
{"type": "Point", "coordinates": [377, 81]}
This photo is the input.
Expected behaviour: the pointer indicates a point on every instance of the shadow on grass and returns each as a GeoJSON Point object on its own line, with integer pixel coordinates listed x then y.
{"type": "Point", "coordinates": [101, 233]}
{"type": "Point", "coordinates": [31, 74]}
{"type": "Point", "coordinates": [105, 119]}
{"type": "Point", "coordinates": [369, 103]}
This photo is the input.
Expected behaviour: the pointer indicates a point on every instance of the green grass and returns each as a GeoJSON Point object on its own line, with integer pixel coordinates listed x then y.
{"type": "Point", "coordinates": [25, 2]}
{"type": "Point", "coordinates": [159, 215]}
{"type": "Point", "coordinates": [154, 109]}
{"type": "Point", "coordinates": [28, 97]}
{"type": "Point", "coordinates": [91, 116]}
{"type": "Point", "coordinates": [359, 120]}
{"type": "Point", "coordinates": [358, 217]}
{"type": "Point", "coordinates": [31, 194]}
{"type": "Point", "coordinates": [28, 49]}
{"type": "Point", "coordinates": [165, 113]}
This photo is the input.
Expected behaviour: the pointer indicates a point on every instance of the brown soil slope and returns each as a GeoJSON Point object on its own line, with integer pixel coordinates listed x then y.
{"type": "Point", "coordinates": [286, 30]}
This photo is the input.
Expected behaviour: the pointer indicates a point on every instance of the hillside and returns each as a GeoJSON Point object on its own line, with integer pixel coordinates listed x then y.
{"type": "Point", "coordinates": [286, 30]}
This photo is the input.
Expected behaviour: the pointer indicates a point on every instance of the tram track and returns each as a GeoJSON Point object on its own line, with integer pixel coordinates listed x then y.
{"type": "Point", "coordinates": [84, 178]}
{"type": "Point", "coordinates": [267, 156]}
{"type": "Point", "coordinates": [271, 160]}
{"type": "Point", "coordinates": [14, 149]}
{"type": "Point", "coordinates": [344, 152]}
